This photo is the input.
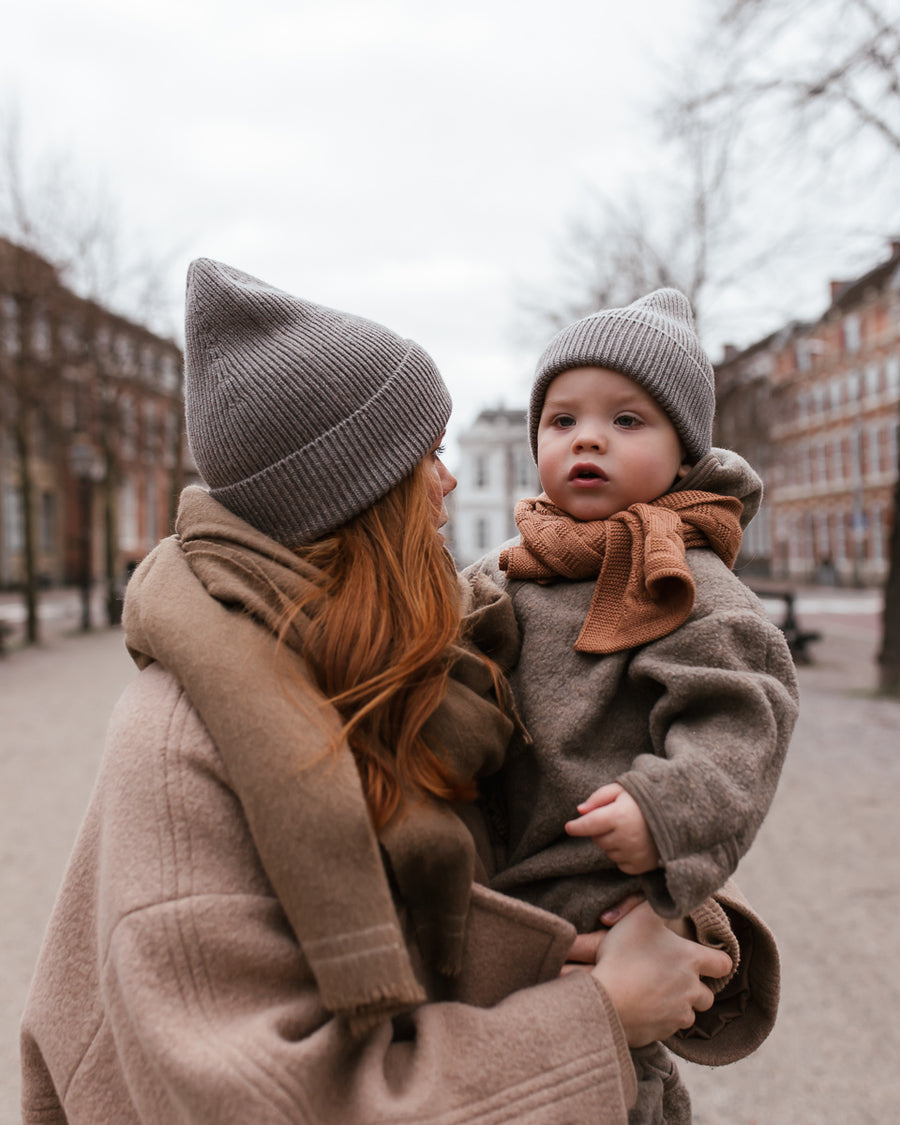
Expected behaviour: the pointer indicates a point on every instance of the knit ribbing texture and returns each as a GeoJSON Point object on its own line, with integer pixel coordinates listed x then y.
{"type": "Point", "coordinates": [654, 342]}
{"type": "Point", "coordinates": [299, 416]}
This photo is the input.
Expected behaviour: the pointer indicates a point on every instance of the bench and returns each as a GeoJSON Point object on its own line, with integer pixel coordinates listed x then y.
{"type": "Point", "coordinates": [798, 639]}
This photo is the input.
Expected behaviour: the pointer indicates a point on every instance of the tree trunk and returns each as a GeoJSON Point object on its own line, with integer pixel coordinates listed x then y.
{"type": "Point", "coordinates": [889, 656]}
{"type": "Point", "coordinates": [110, 531]}
{"type": "Point", "coordinates": [30, 586]}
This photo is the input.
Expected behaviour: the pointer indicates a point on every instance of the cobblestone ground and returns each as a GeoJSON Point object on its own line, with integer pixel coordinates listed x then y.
{"type": "Point", "coordinates": [823, 872]}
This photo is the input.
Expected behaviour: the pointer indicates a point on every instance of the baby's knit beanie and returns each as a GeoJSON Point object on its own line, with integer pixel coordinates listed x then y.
{"type": "Point", "coordinates": [654, 342]}
{"type": "Point", "coordinates": [300, 417]}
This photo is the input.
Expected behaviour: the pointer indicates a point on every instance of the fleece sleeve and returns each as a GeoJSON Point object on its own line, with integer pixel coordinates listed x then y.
{"type": "Point", "coordinates": [725, 703]}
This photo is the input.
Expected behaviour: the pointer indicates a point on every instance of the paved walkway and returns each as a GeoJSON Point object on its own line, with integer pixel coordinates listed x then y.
{"type": "Point", "coordinates": [823, 870]}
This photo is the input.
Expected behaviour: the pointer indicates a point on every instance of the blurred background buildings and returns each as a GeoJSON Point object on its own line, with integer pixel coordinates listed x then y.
{"type": "Point", "coordinates": [92, 449]}
{"type": "Point", "coordinates": [814, 407]}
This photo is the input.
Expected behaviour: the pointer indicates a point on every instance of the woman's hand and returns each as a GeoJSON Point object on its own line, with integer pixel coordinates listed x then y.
{"type": "Point", "coordinates": [652, 975]}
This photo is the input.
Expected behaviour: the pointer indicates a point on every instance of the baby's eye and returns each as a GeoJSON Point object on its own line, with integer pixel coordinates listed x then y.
{"type": "Point", "coordinates": [628, 421]}
{"type": "Point", "coordinates": [564, 421]}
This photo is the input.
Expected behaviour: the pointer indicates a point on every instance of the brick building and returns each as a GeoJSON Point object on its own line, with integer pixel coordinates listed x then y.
{"type": "Point", "coordinates": [814, 406]}
{"type": "Point", "coordinates": [92, 447]}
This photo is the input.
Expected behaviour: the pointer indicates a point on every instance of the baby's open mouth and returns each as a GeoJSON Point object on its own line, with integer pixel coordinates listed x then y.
{"type": "Point", "coordinates": [586, 472]}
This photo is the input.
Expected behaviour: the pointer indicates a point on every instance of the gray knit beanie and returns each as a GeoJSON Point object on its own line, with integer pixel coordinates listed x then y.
{"type": "Point", "coordinates": [654, 342]}
{"type": "Point", "coordinates": [300, 417]}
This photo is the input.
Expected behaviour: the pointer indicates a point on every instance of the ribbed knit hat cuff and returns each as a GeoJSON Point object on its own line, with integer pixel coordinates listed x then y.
{"type": "Point", "coordinates": [621, 341]}
{"type": "Point", "coordinates": [349, 467]}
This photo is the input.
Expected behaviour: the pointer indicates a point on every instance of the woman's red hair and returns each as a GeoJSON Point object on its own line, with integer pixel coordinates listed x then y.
{"type": "Point", "coordinates": [382, 621]}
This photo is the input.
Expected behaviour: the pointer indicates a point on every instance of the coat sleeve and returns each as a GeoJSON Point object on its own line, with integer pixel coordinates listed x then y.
{"type": "Point", "coordinates": [723, 703]}
{"type": "Point", "coordinates": [746, 1001]}
{"type": "Point", "coordinates": [171, 988]}
{"type": "Point", "coordinates": [215, 1020]}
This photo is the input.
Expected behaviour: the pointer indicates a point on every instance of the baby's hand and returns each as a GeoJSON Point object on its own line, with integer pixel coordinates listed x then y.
{"type": "Point", "coordinates": [613, 820]}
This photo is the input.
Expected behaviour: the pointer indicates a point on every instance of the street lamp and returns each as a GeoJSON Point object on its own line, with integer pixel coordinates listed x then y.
{"type": "Point", "coordinates": [85, 469]}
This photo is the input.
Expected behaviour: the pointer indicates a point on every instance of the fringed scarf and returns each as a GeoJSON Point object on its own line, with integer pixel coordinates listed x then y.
{"type": "Point", "coordinates": [205, 604]}
{"type": "Point", "coordinates": [644, 588]}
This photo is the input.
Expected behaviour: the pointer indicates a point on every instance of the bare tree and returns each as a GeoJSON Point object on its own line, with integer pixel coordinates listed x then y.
{"type": "Point", "coordinates": [75, 238]}
{"type": "Point", "coordinates": [823, 69]}
{"type": "Point", "coordinates": [671, 230]}
{"type": "Point", "coordinates": [821, 78]}
{"type": "Point", "coordinates": [28, 381]}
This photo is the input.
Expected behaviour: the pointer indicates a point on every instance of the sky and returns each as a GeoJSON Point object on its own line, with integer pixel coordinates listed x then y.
{"type": "Point", "coordinates": [411, 162]}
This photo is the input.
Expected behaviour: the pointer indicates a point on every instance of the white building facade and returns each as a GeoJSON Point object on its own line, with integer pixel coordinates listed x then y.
{"type": "Point", "coordinates": [495, 470]}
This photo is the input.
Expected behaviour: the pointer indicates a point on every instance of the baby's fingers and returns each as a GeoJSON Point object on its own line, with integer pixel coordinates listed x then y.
{"type": "Point", "coordinates": [605, 795]}
{"type": "Point", "coordinates": [596, 823]}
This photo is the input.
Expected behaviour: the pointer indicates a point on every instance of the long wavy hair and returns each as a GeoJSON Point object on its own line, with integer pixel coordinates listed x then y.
{"type": "Point", "coordinates": [382, 620]}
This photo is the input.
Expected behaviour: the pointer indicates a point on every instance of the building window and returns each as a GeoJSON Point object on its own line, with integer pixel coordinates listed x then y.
{"type": "Point", "coordinates": [169, 371]}
{"type": "Point", "coordinates": [152, 512]}
{"type": "Point", "coordinates": [818, 397]}
{"type": "Point", "coordinates": [523, 468]}
{"type": "Point", "coordinates": [128, 517]}
{"type": "Point", "coordinates": [13, 524]}
{"type": "Point", "coordinates": [151, 430]}
{"type": "Point", "coordinates": [148, 364]}
{"type": "Point", "coordinates": [48, 522]}
{"type": "Point", "coordinates": [170, 428]}
{"type": "Point", "coordinates": [873, 379]}
{"type": "Point", "coordinates": [67, 409]}
{"type": "Point", "coordinates": [804, 470]}
{"type": "Point", "coordinates": [10, 339]}
{"type": "Point", "coordinates": [128, 422]}
{"type": "Point", "coordinates": [839, 522]}
{"type": "Point", "coordinates": [124, 350]}
{"type": "Point", "coordinates": [481, 471]}
{"type": "Point", "coordinates": [834, 393]}
{"type": "Point", "coordinates": [892, 374]}
{"type": "Point", "coordinates": [482, 534]}
{"type": "Point", "coordinates": [852, 333]}
{"type": "Point", "coordinates": [821, 471]}
{"type": "Point", "coordinates": [40, 337]}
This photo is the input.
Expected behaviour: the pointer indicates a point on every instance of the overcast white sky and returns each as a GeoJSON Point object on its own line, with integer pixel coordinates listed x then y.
{"type": "Point", "coordinates": [405, 160]}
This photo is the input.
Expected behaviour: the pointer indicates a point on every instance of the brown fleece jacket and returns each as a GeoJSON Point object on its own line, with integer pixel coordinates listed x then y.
{"type": "Point", "coordinates": [695, 725]}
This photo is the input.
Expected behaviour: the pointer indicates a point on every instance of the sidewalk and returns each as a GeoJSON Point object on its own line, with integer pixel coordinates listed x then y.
{"type": "Point", "coordinates": [59, 612]}
{"type": "Point", "coordinates": [55, 701]}
{"type": "Point", "coordinates": [823, 871]}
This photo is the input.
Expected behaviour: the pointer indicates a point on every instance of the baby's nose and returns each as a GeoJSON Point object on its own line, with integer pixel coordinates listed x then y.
{"type": "Point", "coordinates": [588, 438]}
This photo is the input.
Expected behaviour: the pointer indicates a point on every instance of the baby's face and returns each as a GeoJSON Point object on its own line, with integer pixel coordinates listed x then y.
{"type": "Point", "coordinates": [604, 444]}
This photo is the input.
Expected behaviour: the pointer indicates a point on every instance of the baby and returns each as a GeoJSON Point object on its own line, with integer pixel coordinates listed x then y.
{"type": "Point", "coordinates": [658, 697]}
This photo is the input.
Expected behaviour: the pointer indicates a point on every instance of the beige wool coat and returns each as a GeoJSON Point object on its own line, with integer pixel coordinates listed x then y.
{"type": "Point", "coordinates": [170, 988]}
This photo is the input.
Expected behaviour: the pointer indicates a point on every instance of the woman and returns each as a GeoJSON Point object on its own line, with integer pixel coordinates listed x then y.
{"type": "Point", "coordinates": [270, 915]}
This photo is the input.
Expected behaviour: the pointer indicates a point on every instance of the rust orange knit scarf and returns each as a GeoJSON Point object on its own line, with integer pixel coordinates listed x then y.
{"type": "Point", "coordinates": [644, 589]}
